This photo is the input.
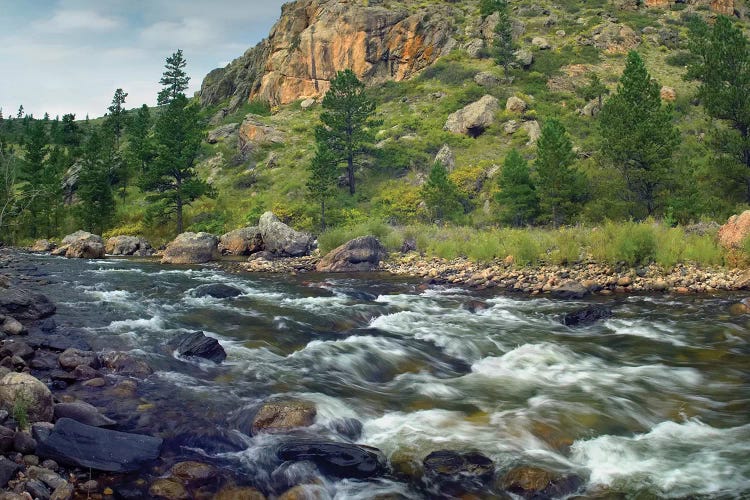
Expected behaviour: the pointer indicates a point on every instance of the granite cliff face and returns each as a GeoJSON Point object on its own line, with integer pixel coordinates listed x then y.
{"type": "Point", "coordinates": [314, 39]}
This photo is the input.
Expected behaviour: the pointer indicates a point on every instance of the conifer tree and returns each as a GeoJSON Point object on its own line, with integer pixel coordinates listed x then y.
{"type": "Point", "coordinates": [174, 79]}
{"type": "Point", "coordinates": [503, 43]}
{"type": "Point", "coordinates": [441, 195]}
{"type": "Point", "coordinates": [20, 113]}
{"type": "Point", "coordinates": [560, 187]}
{"type": "Point", "coordinates": [140, 150]}
{"type": "Point", "coordinates": [347, 124]}
{"type": "Point", "coordinates": [517, 197]}
{"type": "Point", "coordinates": [116, 119]}
{"type": "Point", "coordinates": [36, 152]}
{"type": "Point", "coordinates": [322, 182]}
{"type": "Point", "coordinates": [638, 136]}
{"type": "Point", "coordinates": [96, 201]}
{"type": "Point", "coordinates": [595, 89]}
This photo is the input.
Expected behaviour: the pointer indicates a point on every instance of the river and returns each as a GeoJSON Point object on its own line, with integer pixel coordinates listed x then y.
{"type": "Point", "coordinates": [653, 402]}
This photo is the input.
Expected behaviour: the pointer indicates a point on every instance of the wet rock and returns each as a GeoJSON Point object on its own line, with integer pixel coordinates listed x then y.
{"type": "Point", "coordinates": [475, 118]}
{"type": "Point", "coordinates": [191, 248]}
{"type": "Point", "coordinates": [305, 492]}
{"type": "Point", "coordinates": [86, 446]}
{"type": "Point", "coordinates": [71, 358]}
{"type": "Point", "coordinates": [570, 290]}
{"type": "Point", "coordinates": [194, 473]}
{"type": "Point", "coordinates": [350, 428]}
{"type": "Point", "coordinates": [23, 389]}
{"type": "Point", "coordinates": [14, 347]}
{"type": "Point", "coordinates": [47, 476]}
{"type": "Point", "coordinates": [43, 246]}
{"type": "Point", "coordinates": [84, 413]}
{"type": "Point", "coordinates": [12, 326]}
{"type": "Point", "coordinates": [95, 382]}
{"type": "Point", "coordinates": [243, 241]}
{"type": "Point", "coordinates": [63, 492]}
{"type": "Point", "coordinates": [168, 489]}
{"type": "Point", "coordinates": [281, 239]}
{"type": "Point", "coordinates": [458, 471]}
{"type": "Point", "coordinates": [282, 416]}
{"type": "Point", "coordinates": [587, 315]}
{"type": "Point", "coordinates": [290, 474]}
{"type": "Point", "coordinates": [37, 489]}
{"type": "Point", "coordinates": [533, 482]}
{"type": "Point", "coordinates": [125, 364]}
{"type": "Point", "coordinates": [197, 344]}
{"type": "Point", "coordinates": [83, 372]}
{"type": "Point", "coordinates": [217, 291]}
{"type": "Point", "coordinates": [8, 470]}
{"type": "Point", "coordinates": [25, 304]}
{"type": "Point", "coordinates": [89, 486]}
{"type": "Point", "coordinates": [128, 245]}
{"type": "Point", "coordinates": [239, 493]}
{"type": "Point", "coordinates": [6, 438]}
{"type": "Point", "coordinates": [40, 431]}
{"type": "Point", "coordinates": [24, 443]}
{"type": "Point", "coordinates": [360, 254]}
{"type": "Point", "coordinates": [336, 459]}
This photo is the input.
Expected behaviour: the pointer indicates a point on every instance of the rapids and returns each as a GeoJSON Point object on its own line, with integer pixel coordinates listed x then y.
{"type": "Point", "coordinates": [653, 401]}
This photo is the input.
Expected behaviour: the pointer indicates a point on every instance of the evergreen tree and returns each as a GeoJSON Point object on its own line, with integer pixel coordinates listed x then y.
{"type": "Point", "coordinates": [347, 122]}
{"type": "Point", "coordinates": [96, 202]}
{"type": "Point", "coordinates": [504, 47]}
{"type": "Point", "coordinates": [517, 197]}
{"type": "Point", "coordinates": [49, 182]}
{"type": "Point", "coordinates": [140, 151]}
{"type": "Point", "coordinates": [594, 90]}
{"type": "Point", "coordinates": [172, 180]}
{"type": "Point", "coordinates": [20, 113]}
{"type": "Point", "coordinates": [560, 187]}
{"type": "Point", "coordinates": [638, 136]}
{"type": "Point", "coordinates": [71, 132]}
{"type": "Point", "coordinates": [174, 80]}
{"type": "Point", "coordinates": [489, 7]}
{"type": "Point", "coordinates": [723, 69]}
{"type": "Point", "coordinates": [116, 119]}
{"type": "Point", "coordinates": [322, 182]}
{"type": "Point", "coordinates": [36, 152]}
{"type": "Point", "coordinates": [441, 195]}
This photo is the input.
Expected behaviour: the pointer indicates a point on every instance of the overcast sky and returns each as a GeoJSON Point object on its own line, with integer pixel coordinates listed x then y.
{"type": "Point", "coordinates": [69, 56]}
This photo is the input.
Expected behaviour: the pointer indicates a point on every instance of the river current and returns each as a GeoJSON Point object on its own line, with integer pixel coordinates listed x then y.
{"type": "Point", "coordinates": [653, 402]}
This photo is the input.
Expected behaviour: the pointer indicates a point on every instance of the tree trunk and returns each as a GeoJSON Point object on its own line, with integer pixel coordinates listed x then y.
{"type": "Point", "coordinates": [350, 171]}
{"type": "Point", "coordinates": [179, 215]}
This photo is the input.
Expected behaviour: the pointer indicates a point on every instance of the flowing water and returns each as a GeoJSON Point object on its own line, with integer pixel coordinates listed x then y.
{"type": "Point", "coordinates": [654, 402]}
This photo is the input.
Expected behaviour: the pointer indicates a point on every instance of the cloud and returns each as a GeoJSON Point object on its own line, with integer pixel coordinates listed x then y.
{"type": "Point", "coordinates": [76, 21]}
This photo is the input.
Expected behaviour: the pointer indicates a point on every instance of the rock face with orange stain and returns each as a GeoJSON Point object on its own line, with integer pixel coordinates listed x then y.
{"type": "Point", "coordinates": [733, 233]}
{"type": "Point", "coordinates": [314, 39]}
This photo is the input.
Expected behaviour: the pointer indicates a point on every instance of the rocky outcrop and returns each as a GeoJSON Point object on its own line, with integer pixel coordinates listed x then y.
{"type": "Point", "coordinates": [81, 245]}
{"type": "Point", "coordinates": [735, 231]}
{"type": "Point", "coordinates": [314, 39]}
{"type": "Point", "coordinates": [86, 446]}
{"type": "Point", "coordinates": [446, 157]}
{"type": "Point", "coordinates": [360, 254]}
{"type": "Point", "coordinates": [243, 241]}
{"type": "Point", "coordinates": [475, 118]}
{"type": "Point", "coordinates": [217, 291]}
{"type": "Point", "coordinates": [21, 390]}
{"type": "Point", "coordinates": [222, 133]}
{"type": "Point", "coordinates": [198, 345]}
{"type": "Point", "coordinates": [282, 416]}
{"type": "Point", "coordinates": [280, 239]}
{"type": "Point", "coordinates": [515, 105]}
{"type": "Point", "coordinates": [612, 38]}
{"type": "Point", "coordinates": [128, 245]}
{"type": "Point", "coordinates": [254, 133]}
{"type": "Point", "coordinates": [191, 248]}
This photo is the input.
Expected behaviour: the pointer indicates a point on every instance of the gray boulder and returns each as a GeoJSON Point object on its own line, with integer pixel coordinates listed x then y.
{"type": "Point", "coordinates": [533, 130]}
{"type": "Point", "coordinates": [25, 304]}
{"type": "Point", "coordinates": [222, 133]}
{"type": "Point", "coordinates": [475, 118]}
{"type": "Point", "coordinates": [243, 241]}
{"type": "Point", "coordinates": [446, 157]}
{"type": "Point", "coordinates": [82, 412]}
{"type": "Point", "coordinates": [524, 57]}
{"type": "Point", "coordinates": [281, 239]}
{"type": "Point", "coordinates": [128, 245]}
{"type": "Point", "coordinates": [43, 246]}
{"type": "Point", "coordinates": [487, 79]}
{"type": "Point", "coordinates": [360, 254]}
{"type": "Point", "coordinates": [83, 245]}
{"type": "Point", "coordinates": [23, 389]}
{"type": "Point", "coordinates": [191, 248]}
{"type": "Point", "coordinates": [198, 345]}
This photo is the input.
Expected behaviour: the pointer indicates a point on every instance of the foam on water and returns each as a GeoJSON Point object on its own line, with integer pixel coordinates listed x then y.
{"type": "Point", "coordinates": [642, 328]}
{"type": "Point", "coordinates": [673, 459]}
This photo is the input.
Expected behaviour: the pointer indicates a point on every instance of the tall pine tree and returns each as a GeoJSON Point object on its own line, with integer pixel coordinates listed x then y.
{"type": "Point", "coordinates": [517, 198]}
{"type": "Point", "coordinates": [174, 80]}
{"type": "Point", "coordinates": [96, 201]}
{"type": "Point", "coordinates": [441, 195]}
{"type": "Point", "coordinates": [322, 182]}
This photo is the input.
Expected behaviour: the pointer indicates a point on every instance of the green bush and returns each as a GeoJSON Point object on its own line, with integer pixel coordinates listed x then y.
{"type": "Point", "coordinates": [681, 58]}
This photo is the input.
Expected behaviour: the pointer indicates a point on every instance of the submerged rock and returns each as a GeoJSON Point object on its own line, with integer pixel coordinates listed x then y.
{"type": "Point", "coordinates": [534, 482]}
{"type": "Point", "coordinates": [458, 471]}
{"type": "Point", "coordinates": [337, 459]}
{"type": "Point", "coordinates": [282, 416]}
{"type": "Point", "coordinates": [86, 446]}
{"type": "Point", "coordinates": [360, 254]}
{"type": "Point", "coordinates": [84, 413]}
{"type": "Point", "coordinates": [587, 315]}
{"type": "Point", "coordinates": [197, 344]}
{"type": "Point", "coordinates": [217, 291]}
{"type": "Point", "coordinates": [126, 364]}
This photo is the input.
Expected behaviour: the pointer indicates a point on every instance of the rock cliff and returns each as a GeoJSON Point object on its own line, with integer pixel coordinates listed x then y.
{"type": "Point", "coordinates": [314, 39]}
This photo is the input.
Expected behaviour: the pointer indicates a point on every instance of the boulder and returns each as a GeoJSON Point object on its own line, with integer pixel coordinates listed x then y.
{"type": "Point", "coordinates": [475, 118]}
{"type": "Point", "coordinates": [191, 248]}
{"type": "Point", "coordinates": [244, 241]}
{"type": "Point", "coordinates": [587, 315]}
{"type": "Point", "coordinates": [84, 413]}
{"type": "Point", "coordinates": [25, 304]}
{"type": "Point", "coordinates": [11, 326]}
{"type": "Point", "coordinates": [282, 416]}
{"type": "Point", "coordinates": [239, 493]}
{"type": "Point", "coordinates": [6, 438]}
{"type": "Point", "coordinates": [533, 130]}
{"type": "Point", "coordinates": [533, 482]}
{"type": "Point", "coordinates": [341, 460]}
{"type": "Point", "coordinates": [446, 157]}
{"type": "Point", "coordinates": [307, 103]}
{"type": "Point", "coordinates": [128, 245]}
{"type": "Point", "coordinates": [86, 446]}
{"type": "Point", "coordinates": [734, 232]}
{"type": "Point", "coordinates": [524, 57]}
{"type": "Point", "coordinates": [194, 473]}
{"type": "Point", "coordinates": [72, 358]}
{"type": "Point", "coordinates": [570, 290]}
{"type": "Point", "coordinates": [8, 470]}
{"type": "Point", "coordinates": [281, 239]}
{"type": "Point", "coordinates": [541, 43]}
{"type": "Point", "coordinates": [348, 427]}
{"type": "Point", "coordinates": [254, 133]}
{"type": "Point", "coordinates": [591, 109]}
{"type": "Point", "coordinates": [360, 254]}
{"type": "Point", "coordinates": [24, 443]}
{"type": "Point", "coordinates": [515, 105]}
{"type": "Point", "coordinates": [83, 245]}
{"type": "Point", "coordinates": [222, 133]}
{"type": "Point", "coordinates": [511, 126]}
{"type": "Point", "coordinates": [126, 364]}
{"type": "Point", "coordinates": [168, 489]}
{"type": "Point", "coordinates": [465, 471]}
{"type": "Point", "coordinates": [21, 390]}
{"type": "Point", "coordinates": [487, 80]}
{"type": "Point", "coordinates": [217, 291]}
{"type": "Point", "coordinates": [196, 344]}
{"type": "Point", "coordinates": [43, 246]}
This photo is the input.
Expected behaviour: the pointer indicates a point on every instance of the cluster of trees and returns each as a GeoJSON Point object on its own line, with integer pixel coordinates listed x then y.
{"type": "Point", "coordinates": [54, 169]}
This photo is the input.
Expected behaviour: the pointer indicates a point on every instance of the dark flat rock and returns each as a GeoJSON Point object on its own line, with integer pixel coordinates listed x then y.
{"type": "Point", "coordinates": [217, 291]}
{"type": "Point", "coordinates": [8, 470]}
{"type": "Point", "coordinates": [25, 304]}
{"type": "Point", "coordinates": [341, 460]}
{"type": "Point", "coordinates": [196, 344]}
{"type": "Point", "coordinates": [587, 315]}
{"type": "Point", "coordinates": [86, 446]}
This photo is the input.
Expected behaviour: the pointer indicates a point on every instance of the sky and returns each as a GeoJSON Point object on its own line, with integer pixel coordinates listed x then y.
{"type": "Point", "coordinates": [69, 56]}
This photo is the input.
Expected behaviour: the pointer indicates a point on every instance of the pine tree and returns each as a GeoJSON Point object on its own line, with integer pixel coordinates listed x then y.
{"type": "Point", "coordinates": [638, 136]}
{"type": "Point", "coordinates": [517, 197]}
{"type": "Point", "coordinates": [20, 113]}
{"type": "Point", "coordinates": [116, 119]}
{"type": "Point", "coordinates": [174, 80]}
{"type": "Point", "coordinates": [96, 201]}
{"type": "Point", "coordinates": [560, 187]}
{"type": "Point", "coordinates": [140, 151]}
{"type": "Point", "coordinates": [723, 69]}
{"type": "Point", "coordinates": [172, 180]}
{"type": "Point", "coordinates": [36, 152]}
{"type": "Point", "coordinates": [441, 195]}
{"type": "Point", "coordinates": [347, 122]}
{"type": "Point", "coordinates": [594, 90]}
{"type": "Point", "coordinates": [504, 47]}
{"type": "Point", "coordinates": [322, 182]}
